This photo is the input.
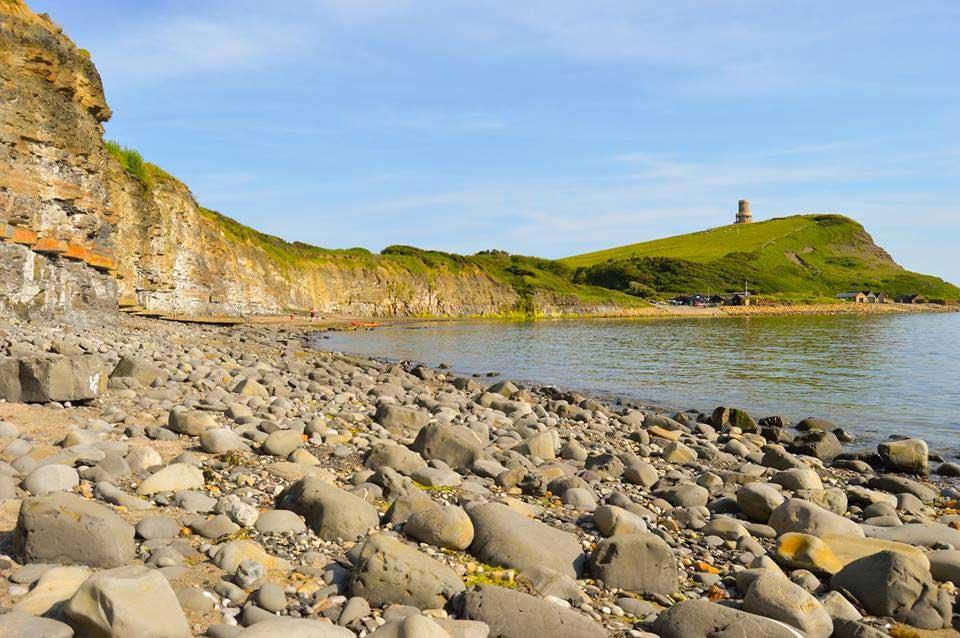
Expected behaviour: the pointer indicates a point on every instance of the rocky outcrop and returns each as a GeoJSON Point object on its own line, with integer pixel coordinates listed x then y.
{"type": "Point", "coordinates": [175, 257]}
{"type": "Point", "coordinates": [55, 217]}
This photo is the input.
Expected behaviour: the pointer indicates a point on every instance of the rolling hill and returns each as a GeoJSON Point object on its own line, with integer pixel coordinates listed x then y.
{"type": "Point", "coordinates": [802, 256]}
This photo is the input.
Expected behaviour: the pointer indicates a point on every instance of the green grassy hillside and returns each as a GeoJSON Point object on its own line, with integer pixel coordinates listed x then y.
{"type": "Point", "coordinates": [809, 256]}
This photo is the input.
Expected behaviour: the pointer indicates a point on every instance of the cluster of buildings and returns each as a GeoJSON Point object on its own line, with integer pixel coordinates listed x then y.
{"type": "Point", "coordinates": [709, 301]}
{"type": "Point", "coordinates": [869, 296]}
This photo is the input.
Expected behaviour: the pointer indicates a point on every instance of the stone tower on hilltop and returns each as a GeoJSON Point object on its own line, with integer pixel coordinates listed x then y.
{"type": "Point", "coordinates": [743, 212]}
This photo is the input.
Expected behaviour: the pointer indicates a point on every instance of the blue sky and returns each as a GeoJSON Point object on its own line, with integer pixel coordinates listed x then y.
{"type": "Point", "coordinates": [541, 127]}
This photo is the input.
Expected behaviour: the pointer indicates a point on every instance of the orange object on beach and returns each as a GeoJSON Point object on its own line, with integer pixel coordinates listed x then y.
{"type": "Point", "coordinates": [364, 324]}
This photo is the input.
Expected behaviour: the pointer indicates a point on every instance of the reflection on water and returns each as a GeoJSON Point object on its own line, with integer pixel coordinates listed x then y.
{"type": "Point", "coordinates": [874, 375]}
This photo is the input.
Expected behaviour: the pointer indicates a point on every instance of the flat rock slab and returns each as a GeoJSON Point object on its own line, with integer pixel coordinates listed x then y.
{"type": "Point", "coordinates": [510, 539]}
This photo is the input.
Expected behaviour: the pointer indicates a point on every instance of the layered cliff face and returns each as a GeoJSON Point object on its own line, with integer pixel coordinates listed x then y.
{"type": "Point", "coordinates": [55, 218]}
{"type": "Point", "coordinates": [175, 257]}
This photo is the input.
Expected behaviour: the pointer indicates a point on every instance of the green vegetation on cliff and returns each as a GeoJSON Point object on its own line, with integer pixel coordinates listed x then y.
{"type": "Point", "coordinates": [529, 277]}
{"type": "Point", "coordinates": [803, 256]}
{"type": "Point", "coordinates": [133, 163]}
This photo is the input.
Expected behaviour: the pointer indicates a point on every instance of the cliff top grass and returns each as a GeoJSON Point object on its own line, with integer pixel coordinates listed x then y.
{"type": "Point", "coordinates": [528, 276]}
{"type": "Point", "coordinates": [133, 163]}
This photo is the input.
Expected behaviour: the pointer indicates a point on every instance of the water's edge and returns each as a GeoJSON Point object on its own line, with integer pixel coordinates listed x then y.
{"type": "Point", "coordinates": [872, 375]}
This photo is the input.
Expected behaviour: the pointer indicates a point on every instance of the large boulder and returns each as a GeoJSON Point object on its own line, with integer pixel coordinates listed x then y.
{"type": "Point", "coordinates": [61, 378]}
{"type": "Point", "coordinates": [143, 371]}
{"type": "Point", "coordinates": [803, 551]}
{"type": "Point", "coordinates": [455, 445]}
{"type": "Point", "coordinates": [733, 417]}
{"type": "Point", "coordinates": [614, 521]}
{"type": "Point", "coordinates": [945, 565]}
{"type": "Point", "coordinates": [389, 572]}
{"type": "Point", "coordinates": [543, 445]}
{"type": "Point", "coordinates": [508, 538]}
{"type": "Point", "coordinates": [796, 515]}
{"type": "Point", "coordinates": [758, 500]}
{"type": "Point", "coordinates": [10, 390]}
{"type": "Point", "coordinates": [822, 445]}
{"type": "Point", "coordinates": [397, 417]}
{"type": "Point", "coordinates": [902, 485]}
{"type": "Point", "coordinates": [514, 614]}
{"type": "Point", "coordinates": [329, 511]}
{"type": "Point", "coordinates": [850, 548]}
{"type": "Point", "coordinates": [54, 588]}
{"type": "Point", "coordinates": [190, 422]}
{"type": "Point", "coordinates": [174, 477]}
{"type": "Point", "coordinates": [703, 619]}
{"type": "Point", "coordinates": [445, 526]}
{"type": "Point", "coordinates": [907, 455]}
{"type": "Point", "coordinates": [64, 528]}
{"type": "Point", "coordinates": [126, 602]}
{"type": "Point", "coordinates": [641, 563]}
{"type": "Point", "coordinates": [892, 584]}
{"type": "Point", "coordinates": [394, 456]}
{"type": "Point", "coordinates": [51, 478]}
{"type": "Point", "coordinates": [773, 595]}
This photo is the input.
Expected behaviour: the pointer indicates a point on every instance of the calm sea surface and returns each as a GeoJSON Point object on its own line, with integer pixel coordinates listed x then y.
{"type": "Point", "coordinates": [874, 375]}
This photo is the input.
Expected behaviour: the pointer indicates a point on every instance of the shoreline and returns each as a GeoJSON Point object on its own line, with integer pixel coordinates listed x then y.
{"type": "Point", "coordinates": [335, 321]}
{"type": "Point", "coordinates": [861, 439]}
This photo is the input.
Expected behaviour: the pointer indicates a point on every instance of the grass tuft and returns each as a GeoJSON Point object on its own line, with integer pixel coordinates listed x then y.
{"type": "Point", "coordinates": [132, 162]}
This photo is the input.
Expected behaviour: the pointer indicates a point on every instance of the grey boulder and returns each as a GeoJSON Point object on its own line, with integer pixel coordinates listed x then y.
{"type": "Point", "coordinates": [510, 539]}
{"type": "Point", "coordinates": [390, 572]}
{"type": "Point", "coordinates": [455, 445]}
{"type": "Point", "coordinates": [892, 584]}
{"type": "Point", "coordinates": [514, 614]}
{"type": "Point", "coordinates": [64, 528]}
{"type": "Point", "coordinates": [62, 378]}
{"type": "Point", "coordinates": [702, 619]}
{"type": "Point", "coordinates": [640, 562]}
{"type": "Point", "coordinates": [445, 526]}
{"type": "Point", "coordinates": [797, 515]}
{"type": "Point", "coordinates": [51, 478]}
{"type": "Point", "coordinates": [329, 511]}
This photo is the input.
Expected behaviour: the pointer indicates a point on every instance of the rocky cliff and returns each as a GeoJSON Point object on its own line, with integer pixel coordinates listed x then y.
{"type": "Point", "coordinates": [85, 225]}
{"type": "Point", "coordinates": [174, 256]}
{"type": "Point", "coordinates": [55, 218]}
